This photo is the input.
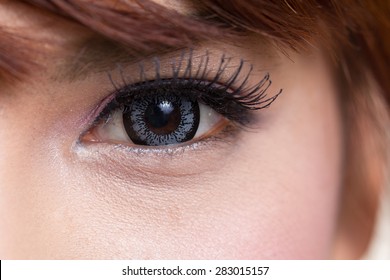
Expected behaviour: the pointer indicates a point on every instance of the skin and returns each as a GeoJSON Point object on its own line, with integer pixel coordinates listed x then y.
{"type": "Point", "coordinates": [270, 192]}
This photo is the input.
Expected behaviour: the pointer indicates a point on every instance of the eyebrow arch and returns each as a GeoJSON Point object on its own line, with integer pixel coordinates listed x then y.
{"type": "Point", "coordinates": [126, 31]}
{"type": "Point", "coordinates": [139, 24]}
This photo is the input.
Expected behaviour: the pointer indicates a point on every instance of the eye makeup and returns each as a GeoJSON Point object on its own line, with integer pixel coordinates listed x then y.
{"type": "Point", "coordinates": [163, 109]}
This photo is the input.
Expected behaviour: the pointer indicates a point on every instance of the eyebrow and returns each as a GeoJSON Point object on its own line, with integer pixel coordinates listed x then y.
{"type": "Point", "coordinates": [122, 33]}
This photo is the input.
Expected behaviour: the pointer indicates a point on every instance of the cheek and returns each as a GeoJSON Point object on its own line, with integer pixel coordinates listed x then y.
{"type": "Point", "coordinates": [285, 183]}
{"type": "Point", "coordinates": [300, 170]}
{"type": "Point", "coordinates": [285, 191]}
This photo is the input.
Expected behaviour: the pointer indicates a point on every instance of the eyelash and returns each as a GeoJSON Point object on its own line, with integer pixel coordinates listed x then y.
{"type": "Point", "coordinates": [231, 98]}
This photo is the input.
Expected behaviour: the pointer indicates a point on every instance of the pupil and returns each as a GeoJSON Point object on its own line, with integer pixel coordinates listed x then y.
{"type": "Point", "coordinates": [163, 117]}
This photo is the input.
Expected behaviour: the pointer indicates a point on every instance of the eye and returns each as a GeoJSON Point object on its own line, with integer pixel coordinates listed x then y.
{"type": "Point", "coordinates": [171, 111]}
{"type": "Point", "coordinates": [158, 119]}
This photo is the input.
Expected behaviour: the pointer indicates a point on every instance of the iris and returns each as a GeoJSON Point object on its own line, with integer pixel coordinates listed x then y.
{"type": "Point", "coordinates": [161, 119]}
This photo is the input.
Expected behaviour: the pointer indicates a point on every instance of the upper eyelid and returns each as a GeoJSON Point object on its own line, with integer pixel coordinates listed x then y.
{"type": "Point", "coordinates": [254, 98]}
{"type": "Point", "coordinates": [236, 81]}
{"type": "Point", "coordinates": [181, 65]}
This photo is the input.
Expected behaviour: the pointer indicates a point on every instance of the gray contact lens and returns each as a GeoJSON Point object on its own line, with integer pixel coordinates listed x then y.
{"type": "Point", "coordinates": [158, 120]}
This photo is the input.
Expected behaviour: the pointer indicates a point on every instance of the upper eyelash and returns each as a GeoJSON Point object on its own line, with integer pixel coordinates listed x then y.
{"type": "Point", "coordinates": [235, 87]}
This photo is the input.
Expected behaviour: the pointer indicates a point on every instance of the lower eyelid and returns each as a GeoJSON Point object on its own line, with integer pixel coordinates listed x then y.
{"type": "Point", "coordinates": [224, 135]}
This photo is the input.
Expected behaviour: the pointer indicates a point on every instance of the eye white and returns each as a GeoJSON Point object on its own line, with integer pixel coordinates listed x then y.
{"type": "Point", "coordinates": [113, 129]}
{"type": "Point", "coordinates": [208, 119]}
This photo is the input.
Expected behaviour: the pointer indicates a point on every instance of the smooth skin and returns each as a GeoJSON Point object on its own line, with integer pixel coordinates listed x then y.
{"type": "Point", "coordinates": [271, 192]}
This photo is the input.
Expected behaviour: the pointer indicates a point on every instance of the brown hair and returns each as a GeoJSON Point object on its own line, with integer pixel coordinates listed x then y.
{"type": "Point", "coordinates": [354, 33]}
